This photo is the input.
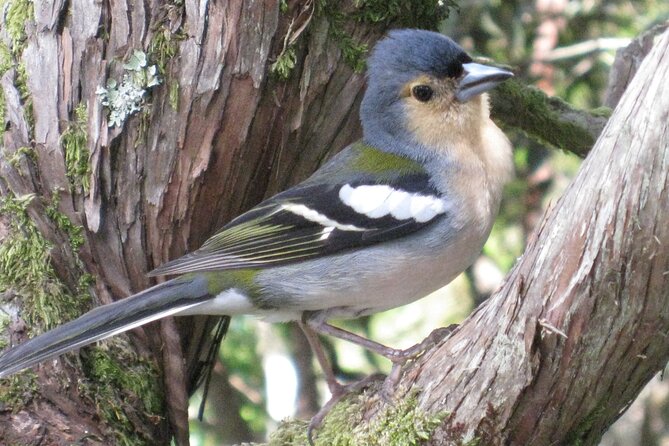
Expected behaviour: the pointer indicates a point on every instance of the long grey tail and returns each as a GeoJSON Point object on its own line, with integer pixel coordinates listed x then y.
{"type": "Point", "coordinates": [108, 320]}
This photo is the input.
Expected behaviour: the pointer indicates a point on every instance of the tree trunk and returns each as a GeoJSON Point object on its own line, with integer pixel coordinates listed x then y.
{"type": "Point", "coordinates": [579, 327]}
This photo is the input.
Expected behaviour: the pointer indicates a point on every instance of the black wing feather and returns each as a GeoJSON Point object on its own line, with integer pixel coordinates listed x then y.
{"type": "Point", "coordinates": [269, 235]}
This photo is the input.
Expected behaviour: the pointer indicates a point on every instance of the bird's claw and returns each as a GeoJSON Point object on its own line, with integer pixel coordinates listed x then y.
{"type": "Point", "coordinates": [401, 357]}
{"type": "Point", "coordinates": [435, 337]}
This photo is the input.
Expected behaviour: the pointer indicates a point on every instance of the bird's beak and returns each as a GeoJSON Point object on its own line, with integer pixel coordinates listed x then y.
{"type": "Point", "coordinates": [477, 79]}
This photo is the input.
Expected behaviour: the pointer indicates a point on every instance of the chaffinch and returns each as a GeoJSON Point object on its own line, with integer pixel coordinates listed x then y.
{"type": "Point", "coordinates": [388, 220]}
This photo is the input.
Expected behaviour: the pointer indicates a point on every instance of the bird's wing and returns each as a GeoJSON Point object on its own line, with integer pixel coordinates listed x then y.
{"type": "Point", "coordinates": [314, 220]}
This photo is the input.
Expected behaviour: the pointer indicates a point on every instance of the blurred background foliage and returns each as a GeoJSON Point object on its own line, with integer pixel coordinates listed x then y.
{"type": "Point", "coordinates": [566, 48]}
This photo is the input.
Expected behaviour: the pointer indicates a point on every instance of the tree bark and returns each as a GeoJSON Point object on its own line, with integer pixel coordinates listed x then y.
{"type": "Point", "coordinates": [580, 325]}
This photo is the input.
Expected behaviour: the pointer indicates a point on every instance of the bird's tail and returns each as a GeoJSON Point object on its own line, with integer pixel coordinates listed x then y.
{"type": "Point", "coordinates": [102, 322]}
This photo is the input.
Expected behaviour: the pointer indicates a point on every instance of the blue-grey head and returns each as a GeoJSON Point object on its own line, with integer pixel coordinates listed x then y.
{"type": "Point", "coordinates": [420, 86]}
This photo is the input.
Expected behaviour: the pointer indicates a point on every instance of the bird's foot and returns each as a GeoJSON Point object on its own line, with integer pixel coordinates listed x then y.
{"type": "Point", "coordinates": [401, 357]}
{"type": "Point", "coordinates": [397, 357]}
{"type": "Point", "coordinates": [338, 393]}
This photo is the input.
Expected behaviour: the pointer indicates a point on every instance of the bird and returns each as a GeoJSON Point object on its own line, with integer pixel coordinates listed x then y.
{"type": "Point", "coordinates": [389, 219]}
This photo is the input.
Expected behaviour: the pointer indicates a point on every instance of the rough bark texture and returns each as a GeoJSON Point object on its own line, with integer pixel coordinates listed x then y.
{"type": "Point", "coordinates": [627, 63]}
{"type": "Point", "coordinates": [581, 323]}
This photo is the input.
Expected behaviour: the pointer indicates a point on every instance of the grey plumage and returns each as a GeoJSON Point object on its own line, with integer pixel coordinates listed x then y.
{"type": "Point", "coordinates": [105, 321]}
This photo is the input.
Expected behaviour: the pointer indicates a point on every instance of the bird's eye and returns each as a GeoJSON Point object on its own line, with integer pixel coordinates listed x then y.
{"type": "Point", "coordinates": [422, 92]}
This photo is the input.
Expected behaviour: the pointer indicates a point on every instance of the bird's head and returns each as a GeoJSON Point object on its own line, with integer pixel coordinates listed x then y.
{"type": "Point", "coordinates": [422, 87]}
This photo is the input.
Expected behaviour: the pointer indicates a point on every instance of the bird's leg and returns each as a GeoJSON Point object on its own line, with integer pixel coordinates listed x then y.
{"type": "Point", "coordinates": [396, 356]}
{"type": "Point", "coordinates": [312, 327]}
{"type": "Point", "coordinates": [336, 389]}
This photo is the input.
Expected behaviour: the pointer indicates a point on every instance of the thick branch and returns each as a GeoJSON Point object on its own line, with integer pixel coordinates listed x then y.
{"type": "Point", "coordinates": [552, 121]}
{"type": "Point", "coordinates": [548, 120]}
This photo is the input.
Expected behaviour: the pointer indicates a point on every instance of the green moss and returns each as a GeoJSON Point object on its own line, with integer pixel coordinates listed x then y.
{"type": "Point", "coordinates": [24, 94]}
{"type": "Point", "coordinates": [2, 113]}
{"type": "Point", "coordinates": [548, 120]}
{"type": "Point", "coordinates": [17, 390]}
{"type": "Point", "coordinates": [18, 13]}
{"type": "Point", "coordinates": [85, 280]}
{"type": "Point", "coordinates": [22, 80]}
{"type": "Point", "coordinates": [75, 234]}
{"type": "Point", "coordinates": [143, 127]}
{"type": "Point", "coordinates": [353, 51]}
{"type": "Point", "coordinates": [5, 320]}
{"type": "Point", "coordinates": [25, 266]}
{"type": "Point", "coordinates": [426, 14]}
{"type": "Point", "coordinates": [74, 142]}
{"type": "Point", "coordinates": [19, 155]}
{"type": "Point", "coordinates": [5, 64]}
{"type": "Point", "coordinates": [397, 423]}
{"type": "Point", "coordinates": [75, 237]}
{"type": "Point", "coordinates": [124, 388]}
{"type": "Point", "coordinates": [6, 59]}
{"type": "Point", "coordinates": [164, 46]}
{"type": "Point", "coordinates": [290, 433]}
{"type": "Point", "coordinates": [9, 60]}
{"type": "Point", "coordinates": [604, 112]}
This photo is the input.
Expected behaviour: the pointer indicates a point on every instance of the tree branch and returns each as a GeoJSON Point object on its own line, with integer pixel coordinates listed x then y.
{"type": "Point", "coordinates": [548, 120]}
{"type": "Point", "coordinates": [627, 63]}
{"type": "Point", "coordinates": [554, 122]}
